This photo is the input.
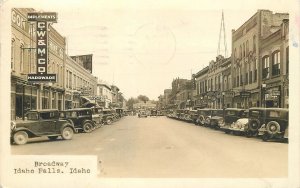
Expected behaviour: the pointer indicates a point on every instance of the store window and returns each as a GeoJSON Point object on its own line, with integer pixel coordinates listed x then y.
{"type": "Point", "coordinates": [276, 63]}
{"type": "Point", "coordinates": [45, 99]}
{"type": "Point", "coordinates": [54, 100]}
{"type": "Point", "coordinates": [266, 67]}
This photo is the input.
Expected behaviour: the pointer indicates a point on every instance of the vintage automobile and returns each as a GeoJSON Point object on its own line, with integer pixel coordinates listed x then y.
{"type": "Point", "coordinates": [142, 113]}
{"type": "Point", "coordinates": [97, 113]}
{"type": "Point", "coordinates": [153, 113]}
{"type": "Point", "coordinates": [193, 116]}
{"type": "Point", "coordinates": [231, 115]}
{"type": "Point", "coordinates": [81, 118]}
{"type": "Point", "coordinates": [120, 112]}
{"type": "Point", "coordinates": [202, 115]}
{"type": "Point", "coordinates": [273, 123]}
{"type": "Point", "coordinates": [38, 123]}
{"type": "Point", "coordinates": [109, 116]}
{"type": "Point", "coordinates": [216, 119]}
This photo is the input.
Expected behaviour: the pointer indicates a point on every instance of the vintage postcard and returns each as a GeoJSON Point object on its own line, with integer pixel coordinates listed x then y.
{"type": "Point", "coordinates": [149, 94]}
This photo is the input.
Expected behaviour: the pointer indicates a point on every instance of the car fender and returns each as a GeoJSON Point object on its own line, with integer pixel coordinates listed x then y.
{"type": "Point", "coordinates": [67, 124]}
{"type": "Point", "coordinates": [87, 120]}
{"type": "Point", "coordinates": [29, 132]}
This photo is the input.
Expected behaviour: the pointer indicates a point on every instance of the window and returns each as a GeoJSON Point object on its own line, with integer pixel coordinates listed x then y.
{"type": "Point", "coordinates": [276, 63]}
{"type": "Point", "coordinates": [235, 54]}
{"type": "Point", "coordinates": [246, 81]}
{"type": "Point", "coordinates": [21, 58]}
{"type": "Point", "coordinates": [266, 67]}
{"type": "Point", "coordinates": [13, 54]}
{"type": "Point", "coordinates": [241, 52]}
{"type": "Point", "coordinates": [254, 44]}
{"type": "Point", "coordinates": [67, 78]}
{"type": "Point", "coordinates": [255, 71]}
{"type": "Point", "coordinates": [247, 48]}
{"type": "Point", "coordinates": [241, 77]}
{"type": "Point", "coordinates": [244, 54]}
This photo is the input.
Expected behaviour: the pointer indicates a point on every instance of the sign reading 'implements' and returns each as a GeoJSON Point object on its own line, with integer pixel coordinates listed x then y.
{"type": "Point", "coordinates": [42, 20]}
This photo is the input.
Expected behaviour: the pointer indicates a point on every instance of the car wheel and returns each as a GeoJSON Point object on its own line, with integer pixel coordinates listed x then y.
{"type": "Point", "coordinates": [52, 137]}
{"type": "Point", "coordinates": [67, 133]}
{"type": "Point", "coordinates": [108, 121]}
{"type": "Point", "coordinates": [20, 137]}
{"type": "Point", "coordinates": [87, 127]}
{"type": "Point", "coordinates": [273, 127]}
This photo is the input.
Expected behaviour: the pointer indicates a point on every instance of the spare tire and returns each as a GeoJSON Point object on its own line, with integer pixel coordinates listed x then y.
{"type": "Point", "coordinates": [273, 127]}
{"type": "Point", "coordinates": [254, 124]}
{"type": "Point", "coordinates": [201, 119]}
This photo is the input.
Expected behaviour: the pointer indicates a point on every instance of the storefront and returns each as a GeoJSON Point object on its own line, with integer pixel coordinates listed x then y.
{"type": "Point", "coordinates": [272, 97]}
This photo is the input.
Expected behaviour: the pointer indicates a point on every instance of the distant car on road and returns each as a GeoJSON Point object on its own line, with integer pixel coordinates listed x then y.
{"type": "Point", "coordinates": [142, 113]}
{"type": "Point", "coordinates": [153, 113]}
{"type": "Point", "coordinates": [38, 123]}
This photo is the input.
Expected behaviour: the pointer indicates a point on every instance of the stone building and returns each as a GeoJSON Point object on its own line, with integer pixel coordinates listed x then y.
{"type": "Point", "coordinates": [200, 99]}
{"type": "Point", "coordinates": [246, 67]}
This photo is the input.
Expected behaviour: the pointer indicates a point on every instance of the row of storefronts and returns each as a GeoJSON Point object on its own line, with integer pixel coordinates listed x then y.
{"type": "Point", "coordinates": [255, 75]}
{"type": "Point", "coordinates": [74, 74]}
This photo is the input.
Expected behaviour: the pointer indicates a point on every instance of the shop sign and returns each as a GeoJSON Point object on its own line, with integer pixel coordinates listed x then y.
{"type": "Point", "coordinates": [275, 92]}
{"type": "Point", "coordinates": [229, 94]}
{"type": "Point", "coordinates": [245, 94]}
{"type": "Point", "coordinates": [42, 20]}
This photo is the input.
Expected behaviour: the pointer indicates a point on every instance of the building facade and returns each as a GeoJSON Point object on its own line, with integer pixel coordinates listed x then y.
{"type": "Point", "coordinates": [246, 69]}
{"type": "Point", "coordinates": [25, 95]}
{"type": "Point", "coordinates": [104, 94]}
{"type": "Point", "coordinates": [275, 57]}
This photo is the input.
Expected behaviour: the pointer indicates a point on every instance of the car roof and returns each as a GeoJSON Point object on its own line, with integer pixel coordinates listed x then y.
{"type": "Point", "coordinates": [267, 109]}
{"type": "Point", "coordinates": [76, 109]}
{"type": "Point", "coordinates": [44, 110]}
{"type": "Point", "coordinates": [235, 109]}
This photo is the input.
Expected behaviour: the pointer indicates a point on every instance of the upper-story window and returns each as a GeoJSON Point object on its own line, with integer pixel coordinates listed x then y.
{"type": "Point", "coordinates": [21, 58]}
{"type": "Point", "coordinates": [241, 51]}
{"type": "Point", "coordinates": [13, 43]}
{"type": "Point", "coordinates": [276, 63]}
{"type": "Point", "coordinates": [266, 67]}
{"type": "Point", "coordinates": [235, 54]}
{"type": "Point", "coordinates": [244, 54]}
{"type": "Point", "coordinates": [287, 60]}
{"type": "Point", "coordinates": [247, 48]}
{"type": "Point", "coordinates": [254, 44]}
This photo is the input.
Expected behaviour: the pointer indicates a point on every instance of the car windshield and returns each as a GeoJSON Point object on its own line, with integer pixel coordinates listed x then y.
{"type": "Point", "coordinates": [230, 113]}
{"type": "Point", "coordinates": [32, 116]}
{"type": "Point", "coordinates": [274, 114]}
{"type": "Point", "coordinates": [48, 115]}
{"type": "Point", "coordinates": [84, 113]}
{"type": "Point", "coordinates": [217, 113]}
{"type": "Point", "coordinates": [254, 113]}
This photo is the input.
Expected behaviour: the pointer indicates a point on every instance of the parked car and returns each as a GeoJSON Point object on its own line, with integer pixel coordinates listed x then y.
{"type": "Point", "coordinates": [241, 125]}
{"type": "Point", "coordinates": [97, 114]}
{"type": "Point", "coordinates": [273, 123]}
{"type": "Point", "coordinates": [153, 113]}
{"type": "Point", "coordinates": [193, 116]}
{"type": "Point", "coordinates": [41, 123]}
{"type": "Point", "coordinates": [216, 119]}
{"type": "Point", "coordinates": [231, 115]}
{"type": "Point", "coordinates": [142, 113]}
{"type": "Point", "coordinates": [120, 112]}
{"type": "Point", "coordinates": [202, 115]}
{"type": "Point", "coordinates": [81, 118]}
{"type": "Point", "coordinates": [108, 116]}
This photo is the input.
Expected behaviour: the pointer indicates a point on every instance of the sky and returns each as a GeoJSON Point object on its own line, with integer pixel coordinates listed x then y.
{"type": "Point", "coordinates": [142, 47]}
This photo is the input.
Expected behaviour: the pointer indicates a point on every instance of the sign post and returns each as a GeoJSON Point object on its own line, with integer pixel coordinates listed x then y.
{"type": "Point", "coordinates": [42, 20]}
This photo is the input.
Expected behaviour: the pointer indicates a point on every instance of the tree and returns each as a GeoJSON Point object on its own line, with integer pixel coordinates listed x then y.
{"type": "Point", "coordinates": [130, 102]}
{"type": "Point", "coordinates": [143, 98]}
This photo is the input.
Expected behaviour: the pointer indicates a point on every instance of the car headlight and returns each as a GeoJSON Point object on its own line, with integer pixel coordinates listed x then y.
{"type": "Point", "coordinates": [12, 125]}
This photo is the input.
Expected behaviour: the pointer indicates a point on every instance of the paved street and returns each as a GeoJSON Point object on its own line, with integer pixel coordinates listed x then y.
{"type": "Point", "coordinates": [163, 147]}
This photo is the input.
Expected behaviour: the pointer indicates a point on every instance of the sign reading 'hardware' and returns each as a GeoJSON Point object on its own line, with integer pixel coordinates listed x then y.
{"type": "Point", "coordinates": [42, 20]}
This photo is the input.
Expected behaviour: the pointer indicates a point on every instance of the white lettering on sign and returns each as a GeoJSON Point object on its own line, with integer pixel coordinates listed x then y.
{"type": "Point", "coordinates": [41, 51]}
{"type": "Point", "coordinates": [18, 20]}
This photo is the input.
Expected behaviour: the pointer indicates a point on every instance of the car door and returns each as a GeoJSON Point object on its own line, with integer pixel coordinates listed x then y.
{"type": "Point", "coordinates": [47, 123]}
